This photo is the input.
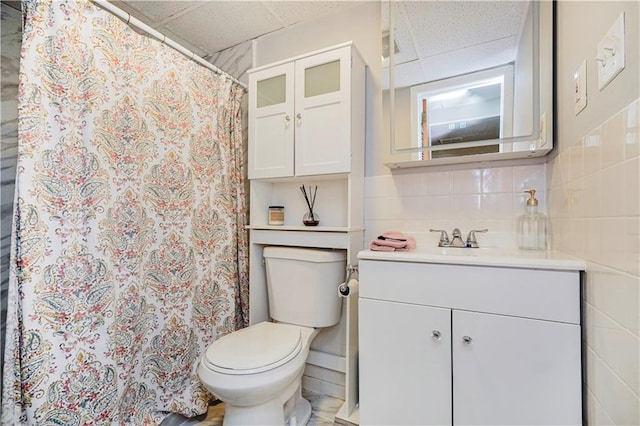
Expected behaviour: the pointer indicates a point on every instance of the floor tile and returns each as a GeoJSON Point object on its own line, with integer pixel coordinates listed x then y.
{"type": "Point", "coordinates": [324, 409]}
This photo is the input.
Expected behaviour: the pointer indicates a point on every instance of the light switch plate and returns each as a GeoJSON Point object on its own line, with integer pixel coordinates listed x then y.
{"type": "Point", "coordinates": [610, 54]}
{"type": "Point", "coordinates": [580, 87]}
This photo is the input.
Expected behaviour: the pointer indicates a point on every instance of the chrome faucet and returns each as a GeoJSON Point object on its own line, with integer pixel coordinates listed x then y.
{"type": "Point", "coordinates": [456, 238]}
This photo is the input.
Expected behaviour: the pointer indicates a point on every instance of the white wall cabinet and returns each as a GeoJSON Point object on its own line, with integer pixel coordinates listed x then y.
{"type": "Point", "coordinates": [444, 344]}
{"type": "Point", "coordinates": [307, 127]}
{"type": "Point", "coordinates": [304, 112]}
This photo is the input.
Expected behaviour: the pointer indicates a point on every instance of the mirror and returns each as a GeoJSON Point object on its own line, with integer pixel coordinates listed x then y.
{"type": "Point", "coordinates": [466, 81]}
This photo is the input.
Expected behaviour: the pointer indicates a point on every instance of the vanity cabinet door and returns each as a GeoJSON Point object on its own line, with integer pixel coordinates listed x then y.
{"type": "Point", "coordinates": [510, 371]}
{"type": "Point", "coordinates": [405, 364]}
{"type": "Point", "coordinates": [271, 127]}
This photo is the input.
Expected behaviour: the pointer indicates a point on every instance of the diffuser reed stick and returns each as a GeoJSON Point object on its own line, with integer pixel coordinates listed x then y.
{"type": "Point", "coordinates": [311, 218]}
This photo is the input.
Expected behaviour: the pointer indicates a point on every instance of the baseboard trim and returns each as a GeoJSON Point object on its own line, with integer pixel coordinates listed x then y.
{"type": "Point", "coordinates": [323, 387]}
{"type": "Point", "coordinates": [329, 361]}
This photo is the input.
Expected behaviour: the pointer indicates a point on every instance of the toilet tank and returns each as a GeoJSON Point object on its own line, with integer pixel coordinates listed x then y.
{"type": "Point", "coordinates": [302, 285]}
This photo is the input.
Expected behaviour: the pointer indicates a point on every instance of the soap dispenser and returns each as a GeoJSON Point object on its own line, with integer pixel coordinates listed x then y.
{"type": "Point", "coordinates": [532, 226]}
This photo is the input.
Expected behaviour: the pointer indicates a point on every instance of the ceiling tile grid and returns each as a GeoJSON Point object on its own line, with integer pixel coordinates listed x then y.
{"type": "Point", "coordinates": [209, 26]}
{"type": "Point", "coordinates": [432, 35]}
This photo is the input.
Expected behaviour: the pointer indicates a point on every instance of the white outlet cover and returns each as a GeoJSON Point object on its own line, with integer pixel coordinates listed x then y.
{"type": "Point", "coordinates": [611, 54]}
{"type": "Point", "coordinates": [580, 87]}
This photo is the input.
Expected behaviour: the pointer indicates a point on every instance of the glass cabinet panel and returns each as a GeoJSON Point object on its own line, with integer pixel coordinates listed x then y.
{"type": "Point", "coordinates": [322, 79]}
{"type": "Point", "coordinates": [271, 91]}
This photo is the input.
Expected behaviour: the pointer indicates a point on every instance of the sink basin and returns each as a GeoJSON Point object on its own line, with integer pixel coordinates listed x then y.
{"type": "Point", "coordinates": [464, 251]}
{"type": "Point", "coordinates": [484, 256]}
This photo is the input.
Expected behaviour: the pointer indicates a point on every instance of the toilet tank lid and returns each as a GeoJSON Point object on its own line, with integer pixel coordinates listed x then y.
{"type": "Point", "coordinates": [305, 254]}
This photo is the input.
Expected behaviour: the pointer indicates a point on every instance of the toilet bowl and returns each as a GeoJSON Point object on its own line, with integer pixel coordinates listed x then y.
{"type": "Point", "coordinates": [257, 371]}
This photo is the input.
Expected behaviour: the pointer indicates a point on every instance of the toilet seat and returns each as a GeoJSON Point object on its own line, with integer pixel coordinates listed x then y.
{"type": "Point", "coordinates": [261, 347]}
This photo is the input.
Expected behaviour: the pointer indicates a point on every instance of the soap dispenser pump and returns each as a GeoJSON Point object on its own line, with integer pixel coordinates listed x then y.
{"type": "Point", "coordinates": [532, 226]}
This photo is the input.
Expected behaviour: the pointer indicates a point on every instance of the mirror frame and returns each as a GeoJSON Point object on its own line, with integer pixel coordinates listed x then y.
{"type": "Point", "coordinates": [540, 140]}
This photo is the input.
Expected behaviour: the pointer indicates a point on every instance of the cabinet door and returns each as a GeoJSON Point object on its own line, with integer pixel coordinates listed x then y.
{"type": "Point", "coordinates": [515, 371]}
{"type": "Point", "coordinates": [323, 113]}
{"type": "Point", "coordinates": [271, 122]}
{"type": "Point", "coordinates": [405, 368]}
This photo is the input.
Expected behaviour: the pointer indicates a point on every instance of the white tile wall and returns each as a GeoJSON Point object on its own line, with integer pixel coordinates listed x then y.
{"type": "Point", "coordinates": [591, 191]}
{"type": "Point", "coordinates": [594, 207]}
{"type": "Point", "coordinates": [416, 200]}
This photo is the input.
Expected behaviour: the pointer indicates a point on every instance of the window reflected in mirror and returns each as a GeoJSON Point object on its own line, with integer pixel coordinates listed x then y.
{"type": "Point", "coordinates": [463, 110]}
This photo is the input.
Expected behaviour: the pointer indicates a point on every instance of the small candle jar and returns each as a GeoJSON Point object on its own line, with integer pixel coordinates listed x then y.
{"type": "Point", "coordinates": [276, 215]}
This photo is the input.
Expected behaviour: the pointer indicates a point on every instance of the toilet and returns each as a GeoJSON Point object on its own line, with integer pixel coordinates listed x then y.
{"type": "Point", "coordinates": [257, 371]}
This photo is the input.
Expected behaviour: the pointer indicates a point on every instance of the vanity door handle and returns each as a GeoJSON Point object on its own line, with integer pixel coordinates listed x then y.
{"type": "Point", "coordinates": [436, 335]}
{"type": "Point", "coordinates": [467, 340]}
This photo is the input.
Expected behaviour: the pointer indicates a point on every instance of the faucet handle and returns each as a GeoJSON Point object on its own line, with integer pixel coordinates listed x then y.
{"type": "Point", "coordinates": [471, 237]}
{"type": "Point", "coordinates": [444, 237]}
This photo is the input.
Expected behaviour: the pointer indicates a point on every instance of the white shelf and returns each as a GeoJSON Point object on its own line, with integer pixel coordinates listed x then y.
{"type": "Point", "coordinates": [304, 238]}
{"type": "Point", "coordinates": [304, 228]}
{"type": "Point", "coordinates": [333, 204]}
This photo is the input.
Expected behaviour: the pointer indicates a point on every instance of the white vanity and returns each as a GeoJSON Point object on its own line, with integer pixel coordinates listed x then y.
{"type": "Point", "coordinates": [469, 336]}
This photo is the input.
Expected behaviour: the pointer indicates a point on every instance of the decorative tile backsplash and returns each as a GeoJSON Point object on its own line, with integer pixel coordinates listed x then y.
{"type": "Point", "coordinates": [417, 200]}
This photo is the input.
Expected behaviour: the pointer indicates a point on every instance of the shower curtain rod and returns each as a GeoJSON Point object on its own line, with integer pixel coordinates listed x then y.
{"type": "Point", "coordinates": [130, 20]}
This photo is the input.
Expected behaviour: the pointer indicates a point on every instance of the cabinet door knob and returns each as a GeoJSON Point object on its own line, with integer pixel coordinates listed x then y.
{"type": "Point", "coordinates": [466, 340]}
{"type": "Point", "coordinates": [436, 335]}
{"type": "Point", "coordinates": [287, 118]}
{"type": "Point", "coordinates": [298, 116]}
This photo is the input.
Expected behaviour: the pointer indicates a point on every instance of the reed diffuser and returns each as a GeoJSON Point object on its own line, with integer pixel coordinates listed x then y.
{"type": "Point", "coordinates": [310, 218]}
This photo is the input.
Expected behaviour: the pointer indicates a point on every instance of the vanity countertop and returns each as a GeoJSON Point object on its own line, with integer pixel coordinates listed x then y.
{"type": "Point", "coordinates": [513, 258]}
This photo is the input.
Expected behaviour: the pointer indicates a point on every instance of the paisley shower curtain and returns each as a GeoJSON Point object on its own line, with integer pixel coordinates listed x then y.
{"type": "Point", "coordinates": [129, 252]}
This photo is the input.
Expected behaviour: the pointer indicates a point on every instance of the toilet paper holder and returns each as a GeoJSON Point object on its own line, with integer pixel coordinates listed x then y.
{"type": "Point", "coordinates": [343, 288]}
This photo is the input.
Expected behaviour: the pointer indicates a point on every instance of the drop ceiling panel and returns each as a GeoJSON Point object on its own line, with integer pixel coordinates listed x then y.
{"type": "Point", "coordinates": [185, 43]}
{"type": "Point", "coordinates": [221, 24]}
{"type": "Point", "coordinates": [442, 26]}
{"type": "Point", "coordinates": [293, 12]}
{"type": "Point", "coordinates": [154, 12]}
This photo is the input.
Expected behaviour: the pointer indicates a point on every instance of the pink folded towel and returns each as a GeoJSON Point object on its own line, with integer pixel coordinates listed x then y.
{"type": "Point", "coordinates": [393, 241]}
